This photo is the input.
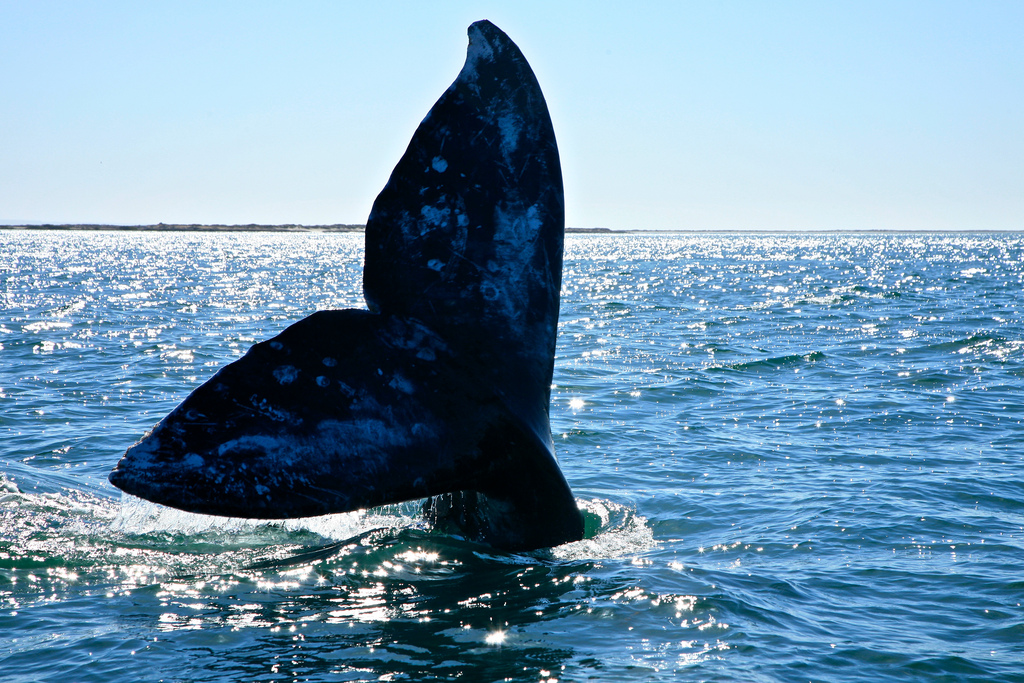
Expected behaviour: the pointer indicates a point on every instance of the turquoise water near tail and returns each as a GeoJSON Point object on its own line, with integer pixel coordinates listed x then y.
{"type": "Point", "coordinates": [802, 456]}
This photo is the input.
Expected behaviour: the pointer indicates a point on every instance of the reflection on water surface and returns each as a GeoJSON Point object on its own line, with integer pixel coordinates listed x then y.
{"type": "Point", "coordinates": [797, 454]}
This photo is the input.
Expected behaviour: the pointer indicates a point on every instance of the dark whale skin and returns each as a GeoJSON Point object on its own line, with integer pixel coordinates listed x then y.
{"type": "Point", "coordinates": [440, 389]}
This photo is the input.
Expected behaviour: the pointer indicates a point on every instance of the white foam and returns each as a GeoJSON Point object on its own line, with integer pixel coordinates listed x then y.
{"type": "Point", "coordinates": [138, 516]}
{"type": "Point", "coordinates": [622, 533]}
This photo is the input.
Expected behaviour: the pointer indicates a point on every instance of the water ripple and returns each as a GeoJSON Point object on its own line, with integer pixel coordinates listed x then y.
{"type": "Point", "coordinates": [798, 454]}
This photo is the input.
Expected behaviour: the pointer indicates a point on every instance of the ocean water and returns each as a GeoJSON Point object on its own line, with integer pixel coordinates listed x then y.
{"type": "Point", "coordinates": [806, 453]}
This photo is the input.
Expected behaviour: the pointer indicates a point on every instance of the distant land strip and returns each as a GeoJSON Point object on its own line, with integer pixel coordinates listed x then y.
{"type": "Point", "coordinates": [195, 227]}
{"type": "Point", "coordinates": [250, 227]}
{"type": "Point", "coordinates": [356, 227]}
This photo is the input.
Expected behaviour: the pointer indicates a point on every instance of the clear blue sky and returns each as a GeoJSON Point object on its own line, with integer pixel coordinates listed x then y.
{"type": "Point", "coordinates": [671, 115]}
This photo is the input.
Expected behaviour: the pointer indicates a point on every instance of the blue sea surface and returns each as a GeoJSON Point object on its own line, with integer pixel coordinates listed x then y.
{"type": "Point", "coordinates": [805, 451]}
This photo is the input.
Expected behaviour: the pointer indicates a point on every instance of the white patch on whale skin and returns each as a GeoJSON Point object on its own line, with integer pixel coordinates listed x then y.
{"type": "Point", "coordinates": [490, 292]}
{"type": "Point", "coordinates": [402, 384]}
{"type": "Point", "coordinates": [510, 126]}
{"type": "Point", "coordinates": [479, 50]}
{"type": "Point", "coordinates": [439, 165]}
{"type": "Point", "coordinates": [412, 334]}
{"type": "Point", "coordinates": [507, 279]}
{"type": "Point", "coordinates": [273, 412]}
{"type": "Point", "coordinates": [434, 217]}
{"type": "Point", "coordinates": [286, 374]}
{"type": "Point", "coordinates": [266, 444]}
{"type": "Point", "coordinates": [360, 448]}
{"type": "Point", "coordinates": [144, 451]}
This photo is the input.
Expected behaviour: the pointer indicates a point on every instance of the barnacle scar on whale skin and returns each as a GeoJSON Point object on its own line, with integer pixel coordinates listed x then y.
{"type": "Point", "coordinates": [440, 389]}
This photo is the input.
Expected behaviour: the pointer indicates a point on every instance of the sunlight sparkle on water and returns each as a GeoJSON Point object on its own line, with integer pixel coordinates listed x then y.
{"type": "Point", "coordinates": [748, 422]}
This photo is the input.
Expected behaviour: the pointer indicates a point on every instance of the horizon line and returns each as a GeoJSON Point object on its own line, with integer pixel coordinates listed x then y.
{"type": "Point", "coordinates": [360, 227]}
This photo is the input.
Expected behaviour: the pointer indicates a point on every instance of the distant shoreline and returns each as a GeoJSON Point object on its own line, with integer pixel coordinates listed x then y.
{"type": "Point", "coordinates": [193, 227]}
{"type": "Point", "coordinates": [216, 227]}
{"type": "Point", "coordinates": [356, 227]}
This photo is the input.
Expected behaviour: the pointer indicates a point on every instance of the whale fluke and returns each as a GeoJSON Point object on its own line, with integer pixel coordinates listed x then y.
{"type": "Point", "coordinates": [441, 389]}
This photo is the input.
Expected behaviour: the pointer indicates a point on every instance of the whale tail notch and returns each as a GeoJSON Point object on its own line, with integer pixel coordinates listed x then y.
{"type": "Point", "coordinates": [441, 389]}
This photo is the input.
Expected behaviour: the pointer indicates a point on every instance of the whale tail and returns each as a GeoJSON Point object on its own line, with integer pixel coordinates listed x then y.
{"type": "Point", "coordinates": [441, 389]}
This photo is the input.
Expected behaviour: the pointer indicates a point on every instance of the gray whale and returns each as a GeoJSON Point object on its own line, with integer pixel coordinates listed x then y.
{"type": "Point", "coordinates": [440, 389]}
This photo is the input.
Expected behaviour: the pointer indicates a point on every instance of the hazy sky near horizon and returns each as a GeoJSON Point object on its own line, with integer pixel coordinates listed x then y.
{"type": "Point", "coordinates": [669, 115]}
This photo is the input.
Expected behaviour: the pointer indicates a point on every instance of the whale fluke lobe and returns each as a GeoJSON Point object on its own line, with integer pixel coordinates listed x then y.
{"type": "Point", "coordinates": [441, 389]}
